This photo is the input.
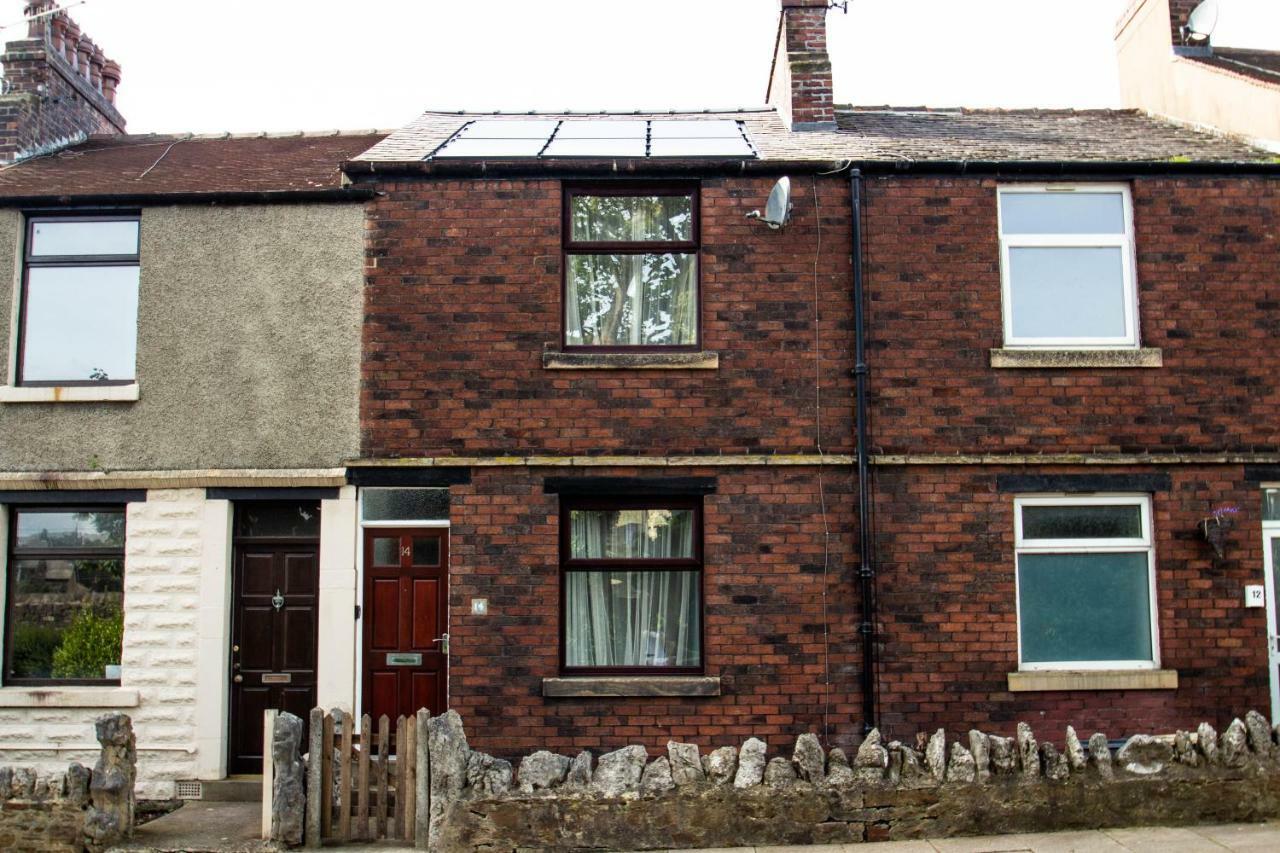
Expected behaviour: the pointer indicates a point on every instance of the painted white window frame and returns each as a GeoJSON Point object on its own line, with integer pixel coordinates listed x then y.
{"type": "Point", "coordinates": [361, 524]}
{"type": "Point", "coordinates": [1095, 546]}
{"type": "Point", "coordinates": [1124, 242]}
{"type": "Point", "coordinates": [1270, 531]}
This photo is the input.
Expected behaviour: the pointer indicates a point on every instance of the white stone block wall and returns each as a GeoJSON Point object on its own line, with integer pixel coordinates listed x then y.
{"type": "Point", "coordinates": [160, 662]}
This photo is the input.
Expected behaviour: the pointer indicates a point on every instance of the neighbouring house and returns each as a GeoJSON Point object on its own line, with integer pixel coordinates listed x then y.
{"type": "Point", "coordinates": [642, 402]}
{"type": "Point", "coordinates": [181, 337]}
{"type": "Point", "coordinates": [1171, 69]}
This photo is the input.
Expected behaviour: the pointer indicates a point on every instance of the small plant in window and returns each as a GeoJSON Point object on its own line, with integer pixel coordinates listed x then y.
{"type": "Point", "coordinates": [1217, 525]}
{"type": "Point", "coordinates": [98, 375]}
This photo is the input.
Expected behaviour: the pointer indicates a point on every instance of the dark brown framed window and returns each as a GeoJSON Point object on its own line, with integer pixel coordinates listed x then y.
{"type": "Point", "coordinates": [64, 607]}
{"type": "Point", "coordinates": [79, 309]}
{"type": "Point", "coordinates": [631, 278]}
{"type": "Point", "coordinates": [631, 585]}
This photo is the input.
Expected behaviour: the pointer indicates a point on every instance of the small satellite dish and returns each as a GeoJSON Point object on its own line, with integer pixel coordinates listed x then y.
{"type": "Point", "coordinates": [1200, 24]}
{"type": "Point", "coordinates": [777, 210]}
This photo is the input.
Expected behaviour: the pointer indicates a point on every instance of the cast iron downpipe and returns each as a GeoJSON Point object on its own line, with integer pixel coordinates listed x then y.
{"type": "Point", "coordinates": [867, 570]}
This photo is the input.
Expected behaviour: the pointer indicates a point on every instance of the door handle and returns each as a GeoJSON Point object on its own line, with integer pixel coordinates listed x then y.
{"type": "Point", "coordinates": [238, 678]}
{"type": "Point", "coordinates": [444, 643]}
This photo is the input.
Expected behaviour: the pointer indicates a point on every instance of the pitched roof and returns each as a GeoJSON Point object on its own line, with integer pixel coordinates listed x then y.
{"type": "Point", "coordinates": [155, 164]}
{"type": "Point", "coordinates": [1084, 136]}
{"type": "Point", "coordinates": [898, 135]}
{"type": "Point", "coordinates": [1260, 65]}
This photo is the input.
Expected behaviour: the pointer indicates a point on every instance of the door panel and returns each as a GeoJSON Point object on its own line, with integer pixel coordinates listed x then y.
{"type": "Point", "coordinates": [273, 636]}
{"type": "Point", "coordinates": [406, 582]}
{"type": "Point", "coordinates": [1271, 565]}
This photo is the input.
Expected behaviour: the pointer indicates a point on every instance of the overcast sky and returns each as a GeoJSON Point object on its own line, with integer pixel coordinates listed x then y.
{"type": "Point", "coordinates": [245, 65]}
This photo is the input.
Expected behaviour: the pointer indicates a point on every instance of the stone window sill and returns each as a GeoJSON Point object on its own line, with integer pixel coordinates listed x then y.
{"type": "Point", "coordinates": [69, 393]}
{"type": "Point", "coordinates": [630, 360]}
{"type": "Point", "coordinates": [1093, 679]}
{"type": "Point", "coordinates": [1024, 358]}
{"type": "Point", "coordinates": [604, 686]}
{"type": "Point", "coordinates": [68, 697]}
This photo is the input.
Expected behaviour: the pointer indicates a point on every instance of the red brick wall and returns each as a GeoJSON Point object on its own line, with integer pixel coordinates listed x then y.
{"type": "Point", "coordinates": [1208, 252]}
{"type": "Point", "coordinates": [763, 604]}
{"type": "Point", "coordinates": [464, 293]}
{"type": "Point", "coordinates": [949, 620]}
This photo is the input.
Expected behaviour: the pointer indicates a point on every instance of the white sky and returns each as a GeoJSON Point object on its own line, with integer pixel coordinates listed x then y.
{"type": "Point", "coordinates": [245, 65]}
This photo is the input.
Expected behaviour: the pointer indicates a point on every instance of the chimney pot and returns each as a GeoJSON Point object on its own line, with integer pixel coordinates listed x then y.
{"type": "Point", "coordinates": [71, 43]}
{"type": "Point", "coordinates": [58, 33]}
{"type": "Point", "coordinates": [110, 79]}
{"type": "Point", "coordinates": [37, 27]}
{"type": "Point", "coordinates": [96, 62]}
{"type": "Point", "coordinates": [84, 52]}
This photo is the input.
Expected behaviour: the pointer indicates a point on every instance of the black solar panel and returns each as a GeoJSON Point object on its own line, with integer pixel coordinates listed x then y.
{"type": "Point", "coordinates": [600, 138]}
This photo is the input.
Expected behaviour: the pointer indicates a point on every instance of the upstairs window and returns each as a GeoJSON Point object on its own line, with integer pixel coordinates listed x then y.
{"type": "Point", "coordinates": [1086, 582]}
{"type": "Point", "coordinates": [632, 585]}
{"type": "Point", "coordinates": [64, 618]}
{"type": "Point", "coordinates": [631, 268]}
{"type": "Point", "coordinates": [1066, 254]}
{"type": "Point", "coordinates": [79, 301]}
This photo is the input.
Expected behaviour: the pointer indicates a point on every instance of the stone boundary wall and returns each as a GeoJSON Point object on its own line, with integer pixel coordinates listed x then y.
{"type": "Point", "coordinates": [43, 814]}
{"type": "Point", "coordinates": [737, 796]}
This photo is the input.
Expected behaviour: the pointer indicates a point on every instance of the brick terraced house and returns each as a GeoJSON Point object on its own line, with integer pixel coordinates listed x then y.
{"type": "Point", "coordinates": [605, 448]}
{"type": "Point", "coordinates": [644, 405]}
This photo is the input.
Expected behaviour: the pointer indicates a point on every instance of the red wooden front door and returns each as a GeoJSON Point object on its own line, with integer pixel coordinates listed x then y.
{"type": "Point", "coordinates": [406, 598]}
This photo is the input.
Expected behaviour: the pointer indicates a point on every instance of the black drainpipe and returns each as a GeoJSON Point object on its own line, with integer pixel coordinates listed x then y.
{"type": "Point", "coordinates": [867, 571]}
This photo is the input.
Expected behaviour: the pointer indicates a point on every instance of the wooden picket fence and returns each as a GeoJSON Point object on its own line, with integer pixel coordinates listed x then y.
{"type": "Point", "coordinates": [366, 786]}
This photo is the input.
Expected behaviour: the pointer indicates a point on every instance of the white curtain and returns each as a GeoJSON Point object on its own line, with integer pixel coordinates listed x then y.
{"type": "Point", "coordinates": [632, 618]}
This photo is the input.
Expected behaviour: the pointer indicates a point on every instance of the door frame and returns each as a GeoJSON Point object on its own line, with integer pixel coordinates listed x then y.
{"type": "Point", "coordinates": [362, 525]}
{"type": "Point", "coordinates": [1271, 531]}
{"type": "Point", "coordinates": [236, 543]}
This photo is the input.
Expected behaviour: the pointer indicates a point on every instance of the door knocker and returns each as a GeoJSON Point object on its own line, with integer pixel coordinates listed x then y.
{"type": "Point", "coordinates": [277, 600]}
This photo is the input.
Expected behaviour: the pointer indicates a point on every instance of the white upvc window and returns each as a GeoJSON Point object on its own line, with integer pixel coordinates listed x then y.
{"type": "Point", "coordinates": [1085, 580]}
{"type": "Point", "coordinates": [1067, 266]}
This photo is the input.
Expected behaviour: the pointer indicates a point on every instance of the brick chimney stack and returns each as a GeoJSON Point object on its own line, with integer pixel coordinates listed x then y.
{"type": "Point", "coordinates": [800, 81]}
{"type": "Point", "coordinates": [58, 87]}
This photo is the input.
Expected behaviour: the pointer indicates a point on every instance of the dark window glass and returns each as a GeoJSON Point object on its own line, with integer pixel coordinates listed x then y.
{"type": "Point", "coordinates": [426, 552]}
{"type": "Point", "coordinates": [1084, 607]}
{"type": "Point", "coordinates": [627, 608]}
{"type": "Point", "coordinates": [65, 596]}
{"type": "Point", "coordinates": [1082, 522]}
{"type": "Point", "coordinates": [278, 520]}
{"type": "Point", "coordinates": [405, 504]}
{"type": "Point", "coordinates": [80, 302]}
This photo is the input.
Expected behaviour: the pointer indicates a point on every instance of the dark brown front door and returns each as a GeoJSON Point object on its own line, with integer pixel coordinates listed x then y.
{"type": "Point", "coordinates": [273, 637]}
{"type": "Point", "coordinates": [405, 619]}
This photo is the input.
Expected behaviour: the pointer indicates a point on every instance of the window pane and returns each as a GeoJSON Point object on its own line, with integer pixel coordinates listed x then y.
{"type": "Point", "coordinates": [81, 324]}
{"type": "Point", "coordinates": [406, 504]}
{"type": "Point", "coordinates": [632, 300]}
{"type": "Point", "coordinates": [632, 619]}
{"type": "Point", "coordinates": [278, 520]}
{"type": "Point", "coordinates": [69, 530]}
{"type": "Point", "coordinates": [511, 129]}
{"type": "Point", "coordinates": [1271, 505]}
{"type": "Point", "coordinates": [49, 238]}
{"type": "Point", "coordinates": [631, 219]}
{"type": "Point", "coordinates": [468, 147]}
{"type": "Point", "coordinates": [734, 146]}
{"type": "Point", "coordinates": [631, 533]}
{"type": "Point", "coordinates": [1084, 607]}
{"type": "Point", "coordinates": [601, 129]}
{"type": "Point", "coordinates": [1062, 213]}
{"type": "Point", "coordinates": [610, 147]}
{"type": "Point", "coordinates": [693, 128]}
{"type": "Point", "coordinates": [426, 551]}
{"type": "Point", "coordinates": [67, 618]}
{"type": "Point", "coordinates": [1067, 292]}
{"type": "Point", "coordinates": [1082, 522]}
{"type": "Point", "coordinates": [386, 551]}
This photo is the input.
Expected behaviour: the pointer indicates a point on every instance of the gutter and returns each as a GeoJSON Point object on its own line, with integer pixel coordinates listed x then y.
{"type": "Point", "coordinates": [565, 168]}
{"type": "Point", "coordinates": [212, 198]}
{"type": "Point", "coordinates": [866, 551]}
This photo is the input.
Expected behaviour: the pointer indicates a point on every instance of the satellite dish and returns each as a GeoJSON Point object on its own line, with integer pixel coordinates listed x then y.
{"type": "Point", "coordinates": [1201, 22]}
{"type": "Point", "coordinates": [777, 210]}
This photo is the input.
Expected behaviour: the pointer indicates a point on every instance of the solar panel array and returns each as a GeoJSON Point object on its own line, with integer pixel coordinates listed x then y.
{"type": "Point", "coordinates": [600, 138]}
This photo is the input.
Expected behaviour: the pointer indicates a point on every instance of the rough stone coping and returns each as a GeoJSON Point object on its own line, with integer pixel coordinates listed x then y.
{"type": "Point", "coordinates": [69, 393]}
{"type": "Point", "coordinates": [630, 360]}
{"type": "Point", "coordinates": [68, 697]}
{"type": "Point", "coordinates": [632, 685]}
{"type": "Point", "coordinates": [1093, 679]}
{"type": "Point", "coordinates": [1143, 357]}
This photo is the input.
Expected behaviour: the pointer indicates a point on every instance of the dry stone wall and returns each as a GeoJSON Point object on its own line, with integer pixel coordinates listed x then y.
{"type": "Point", "coordinates": [43, 814]}
{"type": "Point", "coordinates": [983, 783]}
